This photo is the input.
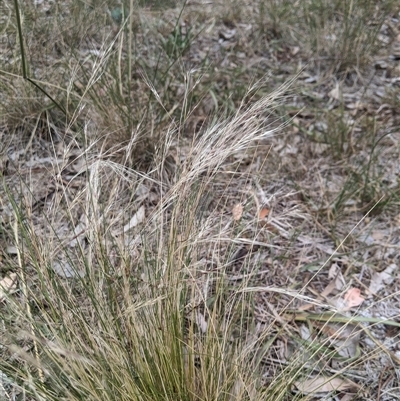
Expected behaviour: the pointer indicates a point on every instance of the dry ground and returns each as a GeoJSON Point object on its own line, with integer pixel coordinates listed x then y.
{"type": "Point", "coordinates": [159, 121]}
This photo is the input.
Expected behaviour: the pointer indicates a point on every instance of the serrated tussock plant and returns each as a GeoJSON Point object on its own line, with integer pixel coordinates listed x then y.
{"type": "Point", "coordinates": [144, 317]}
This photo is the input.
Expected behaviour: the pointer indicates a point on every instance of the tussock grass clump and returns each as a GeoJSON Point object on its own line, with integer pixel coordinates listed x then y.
{"type": "Point", "coordinates": [146, 314]}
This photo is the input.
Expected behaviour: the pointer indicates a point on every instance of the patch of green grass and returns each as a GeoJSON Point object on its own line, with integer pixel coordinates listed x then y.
{"type": "Point", "coordinates": [339, 36]}
{"type": "Point", "coordinates": [97, 64]}
{"type": "Point", "coordinates": [159, 4]}
{"type": "Point", "coordinates": [355, 147]}
{"type": "Point", "coordinates": [365, 183]}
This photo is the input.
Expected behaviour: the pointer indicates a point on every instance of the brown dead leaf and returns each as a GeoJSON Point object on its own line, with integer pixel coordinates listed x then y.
{"type": "Point", "coordinates": [335, 93]}
{"type": "Point", "coordinates": [294, 50]}
{"type": "Point", "coordinates": [328, 289]}
{"type": "Point", "coordinates": [295, 125]}
{"type": "Point", "coordinates": [324, 384]}
{"type": "Point", "coordinates": [8, 285]}
{"type": "Point", "coordinates": [333, 271]}
{"type": "Point", "coordinates": [263, 213]}
{"type": "Point", "coordinates": [379, 235]}
{"type": "Point", "coordinates": [270, 228]}
{"type": "Point", "coordinates": [347, 397]}
{"type": "Point", "coordinates": [353, 298]}
{"type": "Point", "coordinates": [379, 280]}
{"type": "Point", "coordinates": [345, 339]}
{"type": "Point", "coordinates": [324, 294]}
{"type": "Point", "coordinates": [237, 212]}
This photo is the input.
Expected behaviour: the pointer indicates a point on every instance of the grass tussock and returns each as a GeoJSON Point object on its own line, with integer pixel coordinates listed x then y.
{"type": "Point", "coordinates": [151, 319]}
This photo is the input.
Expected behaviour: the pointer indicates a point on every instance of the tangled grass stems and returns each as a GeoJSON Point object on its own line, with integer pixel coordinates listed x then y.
{"type": "Point", "coordinates": [156, 325]}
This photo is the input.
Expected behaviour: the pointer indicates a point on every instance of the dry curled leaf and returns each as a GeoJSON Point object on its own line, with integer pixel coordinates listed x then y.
{"type": "Point", "coordinates": [353, 298]}
{"type": "Point", "coordinates": [237, 211]}
{"type": "Point", "coordinates": [345, 339]}
{"type": "Point", "coordinates": [379, 280]}
{"type": "Point", "coordinates": [324, 384]}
